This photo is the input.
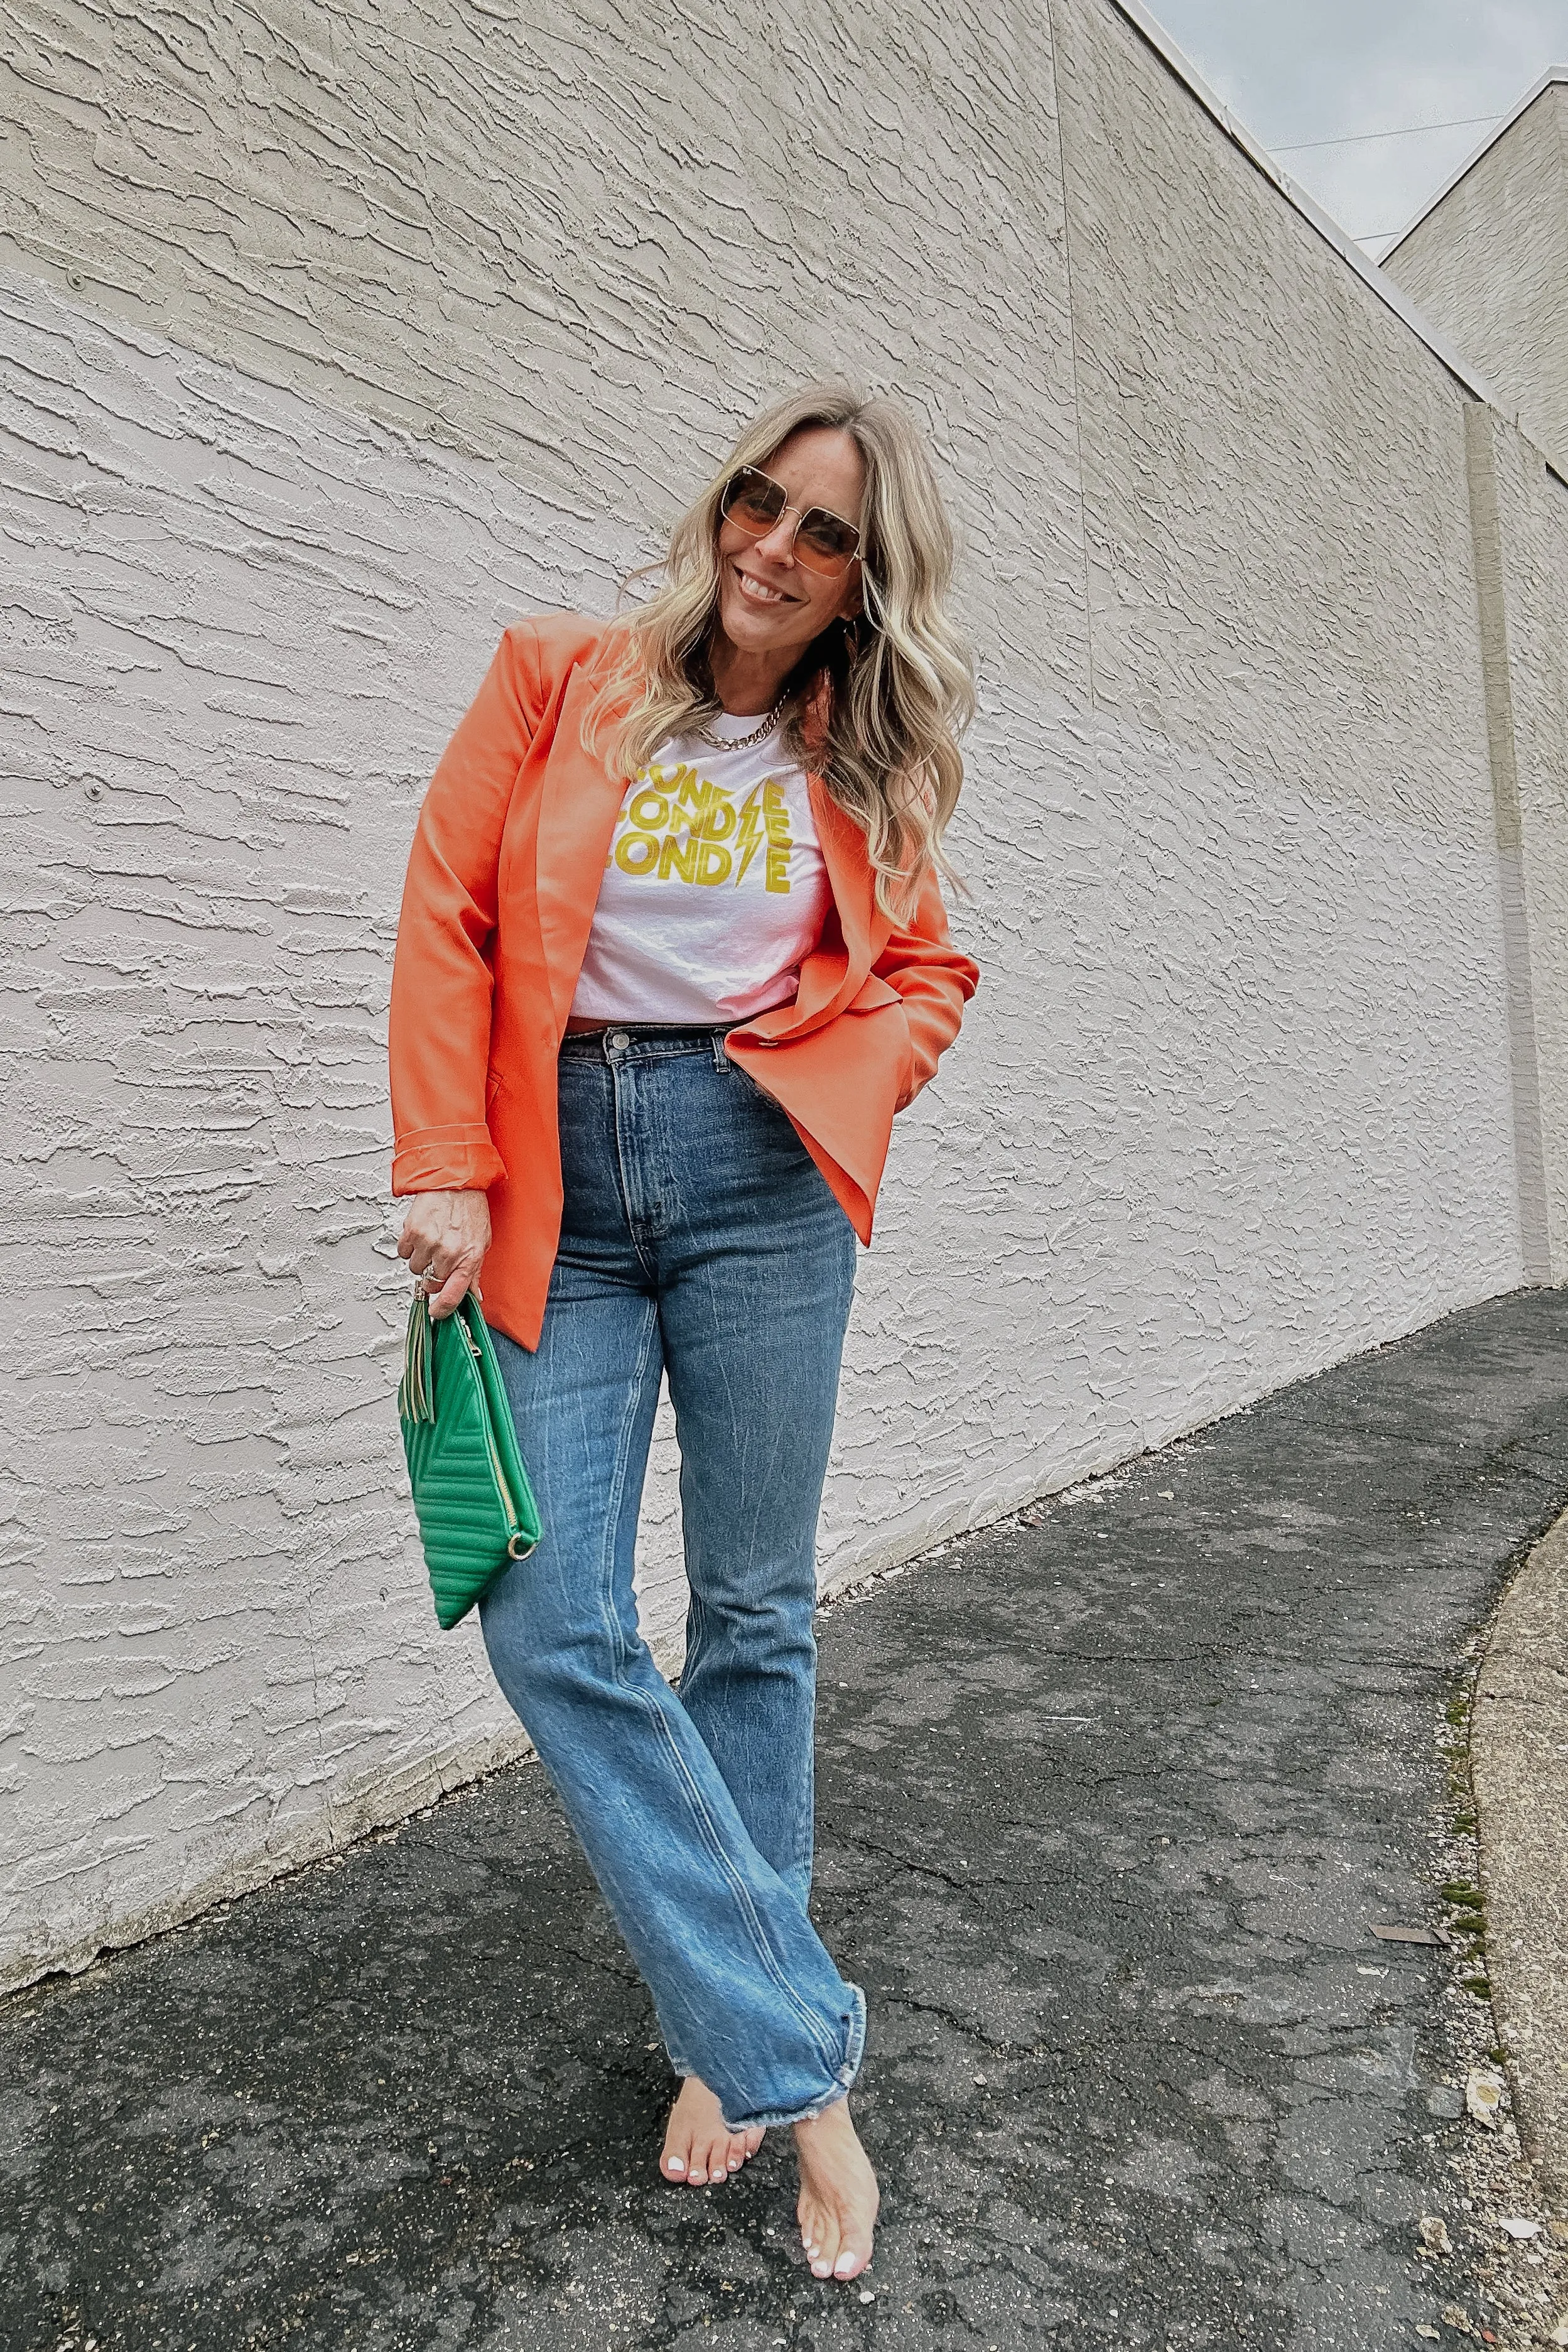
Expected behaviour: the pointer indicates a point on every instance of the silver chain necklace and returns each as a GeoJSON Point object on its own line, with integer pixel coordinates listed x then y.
{"type": "Point", "coordinates": [742, 742]}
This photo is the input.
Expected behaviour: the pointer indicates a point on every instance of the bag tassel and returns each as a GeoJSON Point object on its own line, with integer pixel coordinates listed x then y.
{"type": "Point", "coordinates": [415, 1396]}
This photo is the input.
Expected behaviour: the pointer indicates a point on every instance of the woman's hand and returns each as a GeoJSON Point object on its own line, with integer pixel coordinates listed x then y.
{"type": "Point", "coordinates": [444, 1238]}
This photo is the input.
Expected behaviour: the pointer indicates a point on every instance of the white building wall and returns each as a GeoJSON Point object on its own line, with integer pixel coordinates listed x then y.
{"type": "Point", "coordinates": [1233, 1101]}
{"type": "Point", "coordinates": [1529, 642]}
{"type": "Point", "coordinates": [1489, 261]}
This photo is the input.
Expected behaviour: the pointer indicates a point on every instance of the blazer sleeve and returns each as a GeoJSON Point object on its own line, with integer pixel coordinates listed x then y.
{"type": "Point", "coordinates": [439, 1025]}
{"type": "Point", "coordinates": [935, 979]}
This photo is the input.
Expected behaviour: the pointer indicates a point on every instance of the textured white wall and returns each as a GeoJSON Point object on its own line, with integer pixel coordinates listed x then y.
{"type": "Point", "coordinates": [227, 678]}
{"type": "Point", "coordinates": [1531, 646]}
{"type": "Point", "coordinates": [1489, 261]}
{"type": "Point", "coordinates": [1233, 1101]}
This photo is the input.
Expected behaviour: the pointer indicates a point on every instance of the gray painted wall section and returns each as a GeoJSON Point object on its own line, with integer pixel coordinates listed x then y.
{"type": "Point", "coordinates": [334, 339]}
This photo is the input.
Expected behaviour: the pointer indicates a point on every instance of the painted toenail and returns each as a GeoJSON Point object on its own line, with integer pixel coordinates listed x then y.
{"type": "Point", "coordinates": [674, 2164]}
{"type": "Point", "coordinates": [844, 2265]}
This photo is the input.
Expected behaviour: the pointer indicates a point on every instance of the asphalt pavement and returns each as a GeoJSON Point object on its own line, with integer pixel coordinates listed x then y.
{"type": "Point", "coordinates": [1111, 1797]}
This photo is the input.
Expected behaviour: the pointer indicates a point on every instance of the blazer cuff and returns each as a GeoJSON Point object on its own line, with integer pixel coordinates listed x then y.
{"type": "Point", "coordinates": [446, 1159]}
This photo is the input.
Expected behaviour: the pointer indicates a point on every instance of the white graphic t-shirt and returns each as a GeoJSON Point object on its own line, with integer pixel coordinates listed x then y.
{"type": "Point", "coordinates": [714, 891]}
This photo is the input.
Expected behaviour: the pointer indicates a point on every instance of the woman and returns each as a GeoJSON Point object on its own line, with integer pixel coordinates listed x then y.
{"type": "Point", "coordinates": [671, 955]}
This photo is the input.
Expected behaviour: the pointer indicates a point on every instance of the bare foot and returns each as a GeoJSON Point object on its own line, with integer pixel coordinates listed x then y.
{"type": "Point", "coordinates": [699, 2146]}
{"type": "Point", "coordinates": [838, 2197]}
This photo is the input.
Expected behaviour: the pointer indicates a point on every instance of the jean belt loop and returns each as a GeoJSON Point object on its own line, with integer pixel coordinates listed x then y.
{"type": "Point", "coordinates": [719, 1056]}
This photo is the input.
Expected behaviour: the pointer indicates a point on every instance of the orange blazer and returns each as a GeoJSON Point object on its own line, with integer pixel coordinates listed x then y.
{"type": "Point", "coordinates": [503, 878]}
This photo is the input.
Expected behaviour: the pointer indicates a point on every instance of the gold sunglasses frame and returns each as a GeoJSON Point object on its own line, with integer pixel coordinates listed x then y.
{"type": "Point", "coordinates": [802, 515]}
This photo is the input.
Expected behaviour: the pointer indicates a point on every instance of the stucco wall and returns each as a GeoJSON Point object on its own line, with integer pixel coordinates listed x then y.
{"type": "Point", "coordinates": [1488, 264]}
{"type": "Point", "coordinates": [1533, 624]}
{"type": "Point", "coordinates": [336, 338]}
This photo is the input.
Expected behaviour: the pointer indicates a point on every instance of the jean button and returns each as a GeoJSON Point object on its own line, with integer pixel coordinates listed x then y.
{"type": "Point", "coordinates": [618, 1038]}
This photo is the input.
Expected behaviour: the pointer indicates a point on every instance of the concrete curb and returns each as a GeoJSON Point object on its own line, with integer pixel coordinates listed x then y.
{"type": "Point", "coordinates": [1519, 1761]}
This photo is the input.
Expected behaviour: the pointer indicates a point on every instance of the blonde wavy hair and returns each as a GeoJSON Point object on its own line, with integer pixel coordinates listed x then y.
{"type": "Point", "coordinates": [876, 704]}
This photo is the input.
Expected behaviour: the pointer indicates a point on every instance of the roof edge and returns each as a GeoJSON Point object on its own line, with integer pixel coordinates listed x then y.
{"type": "Point", "coordinates": [1553, 77]}
{"type": "Point", "coordinates": [1386, 289]}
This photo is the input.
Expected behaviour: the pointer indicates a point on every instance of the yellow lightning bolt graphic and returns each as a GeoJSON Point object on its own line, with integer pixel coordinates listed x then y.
{"type": "Point", "coordinates": [749, 832]}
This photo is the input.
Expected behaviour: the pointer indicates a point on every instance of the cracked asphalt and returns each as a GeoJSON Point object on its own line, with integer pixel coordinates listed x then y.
{"type": "Point", "coordinates": [1111, 1797]}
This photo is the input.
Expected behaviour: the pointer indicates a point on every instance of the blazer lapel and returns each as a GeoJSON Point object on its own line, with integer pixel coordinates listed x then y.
{"type": "Point", "coordinates": [580, 804]}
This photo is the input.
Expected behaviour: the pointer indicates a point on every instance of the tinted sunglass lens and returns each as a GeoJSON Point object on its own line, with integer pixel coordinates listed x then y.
{"type": "Point", "coordinates": [824, 543]}
{"type": "Point", "coordinates": [753, 501]}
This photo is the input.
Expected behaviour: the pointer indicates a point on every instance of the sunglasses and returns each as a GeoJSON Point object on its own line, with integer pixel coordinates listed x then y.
{"type": "Point", "coordinates": [822, 541]}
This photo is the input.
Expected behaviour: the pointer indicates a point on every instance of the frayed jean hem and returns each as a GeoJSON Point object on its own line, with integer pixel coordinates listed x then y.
{"type": "Point", "coordinates": [855, 2051]}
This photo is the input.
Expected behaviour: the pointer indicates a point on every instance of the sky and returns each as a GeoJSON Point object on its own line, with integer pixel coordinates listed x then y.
{"type": "Point", "coordinates": [1300, 70]}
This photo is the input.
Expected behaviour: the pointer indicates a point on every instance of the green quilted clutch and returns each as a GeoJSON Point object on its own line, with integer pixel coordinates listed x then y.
{"type": "Point", "coordinates": [476, 1509]}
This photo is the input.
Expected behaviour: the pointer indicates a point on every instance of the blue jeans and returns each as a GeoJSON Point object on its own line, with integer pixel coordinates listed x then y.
{"type": "Point", "coordinates": [699, 1240]}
